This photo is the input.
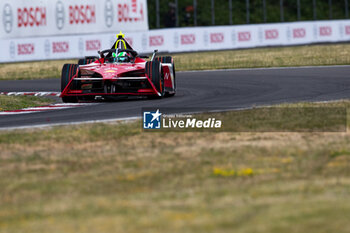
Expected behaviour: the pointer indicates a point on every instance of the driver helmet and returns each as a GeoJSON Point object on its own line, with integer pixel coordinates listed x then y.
{"type": "Point", "coordinates": [123, 57]}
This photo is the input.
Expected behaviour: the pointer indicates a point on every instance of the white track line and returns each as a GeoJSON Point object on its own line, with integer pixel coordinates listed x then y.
{"type": "Point", "coordinates": [266, 68]}
{"type": "Point", "coordinates": [39, 126]}
{"type": "Point", "coordinates": [31, 93]}
{"type": "Point", "coordinates": [45, 108]}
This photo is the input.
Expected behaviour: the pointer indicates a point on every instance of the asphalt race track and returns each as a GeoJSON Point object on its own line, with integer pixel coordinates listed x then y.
{"type": "Point", "coordinates": [220, 90]}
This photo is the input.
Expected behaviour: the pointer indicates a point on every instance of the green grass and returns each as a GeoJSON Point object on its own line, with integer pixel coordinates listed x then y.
{"type": "Point", "coordinates": [32, 70]}
{"type": "Point", "coordinates": [311, 55]}
{"type": "Point", "coordinates": [18, 102]}
{"type": "Point", "coordinates": [314, 55]}
{"type": "Point", "coordinates": [302, 117]}
{"type": "Point", "coordinates": [117, 178]}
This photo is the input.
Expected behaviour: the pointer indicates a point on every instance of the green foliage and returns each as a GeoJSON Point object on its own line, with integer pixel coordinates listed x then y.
{"type": "Point", "coordinates": [239, 11]}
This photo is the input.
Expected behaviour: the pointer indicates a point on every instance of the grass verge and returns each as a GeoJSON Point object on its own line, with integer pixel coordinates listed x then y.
{"type": "Point", "coordinates": [116, 178]}
{"type": "Point", "coordinates": [32, 70]}
{"type": "Point", "coordinates": [19, 102]}
{"type": "Point", "coordinates": [313, 55]}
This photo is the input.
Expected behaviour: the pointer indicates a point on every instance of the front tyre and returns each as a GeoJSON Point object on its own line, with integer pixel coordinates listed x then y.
{"type": "Point", "coordinates": [169, 59]}
{"type": "Point", "coordinates": [155, 72]}
{"type": "Point", "coordinates": [68, 71]}
{"type": "Point", "coordinates": [87, 60]}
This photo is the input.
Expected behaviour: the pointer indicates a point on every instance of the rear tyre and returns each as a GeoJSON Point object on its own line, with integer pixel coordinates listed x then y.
{"type": "Point", "coordinates": [155, 73]}
{"type": "Point", "coordinates": [68, 71]}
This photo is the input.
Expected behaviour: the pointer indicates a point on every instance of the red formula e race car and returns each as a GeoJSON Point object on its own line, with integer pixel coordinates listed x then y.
{"type": "Point", "coordinates": [119, 71]}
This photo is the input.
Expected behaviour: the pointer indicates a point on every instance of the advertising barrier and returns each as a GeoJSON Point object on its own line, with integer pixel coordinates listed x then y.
{"type": "Point", "coordinates": [177, 39]}
{"type": "Point", "coordinates": [36, 18]}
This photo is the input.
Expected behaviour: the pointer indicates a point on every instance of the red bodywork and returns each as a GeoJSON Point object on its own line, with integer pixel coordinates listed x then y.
{"type": "Point", "coordinates": [111, 79]}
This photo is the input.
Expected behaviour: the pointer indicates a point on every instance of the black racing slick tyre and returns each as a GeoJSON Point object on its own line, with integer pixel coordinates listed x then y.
{"type": "Point", "coordinates": [68, 71]}
{"type": "Point", "coordinates": [169, 59]}
{"type": "Point", "coordinates": [155, 73]}
{"type": "Point", "coordinates": [86, 60]}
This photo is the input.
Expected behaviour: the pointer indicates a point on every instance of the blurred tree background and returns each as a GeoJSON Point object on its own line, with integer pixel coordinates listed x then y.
{"type": "Point", "coordinates": [239, 11]}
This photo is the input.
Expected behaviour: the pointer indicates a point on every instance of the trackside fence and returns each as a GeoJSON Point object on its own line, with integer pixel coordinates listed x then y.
{"type": "Point", "coordinates": [178, 40]}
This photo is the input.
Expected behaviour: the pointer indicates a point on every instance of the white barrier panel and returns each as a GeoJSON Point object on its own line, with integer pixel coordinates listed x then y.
{"type": "Point", "coordinates": [178, 40]}
{"type": "Point", "coordinates": [23, 18]}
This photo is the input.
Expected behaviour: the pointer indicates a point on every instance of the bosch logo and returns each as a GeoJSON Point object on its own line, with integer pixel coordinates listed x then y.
{"type": "Point", "coordinates": [347, 30]}
{"type": "Point", "coordinates": [325, 31]}
{"type": "Point", "coordinates": [216, 37]}
{"type": "Point", "coordinates": [188, 39]}
{"type": "Point", "coordinates": [244, 36]}
{"type": "Point", "coordinates": [109, 14]}
{"type": "Point", "coordinates": [156, 40]}
{"type": "Point", "coordinates": [60, 15]}
{"type": "Point", "coordinates": [123, 13]}
{"type": "Point", "coordinates": [82, 14]}
{"type": "Point", "coordinates": [7, 18]}
{"type": "Point", "coordinates": [60, 47]}
{"type": "Point", "coordinates": [134, 6]}
{"type": "Point", "coordinates": [129, 40]}
{"type": "Point", "coordinates": [30, 17]}
{"type": "Point", "coordinates": [92, 45]}
{"type": "Point", "coordinates": [129, 13]}
{"type": "Point", "coordinates": [271, 34]}
{"type": "Point", "coordinates": [299, 32]}
{"type": "Point", "coordinates": [25, 49]}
